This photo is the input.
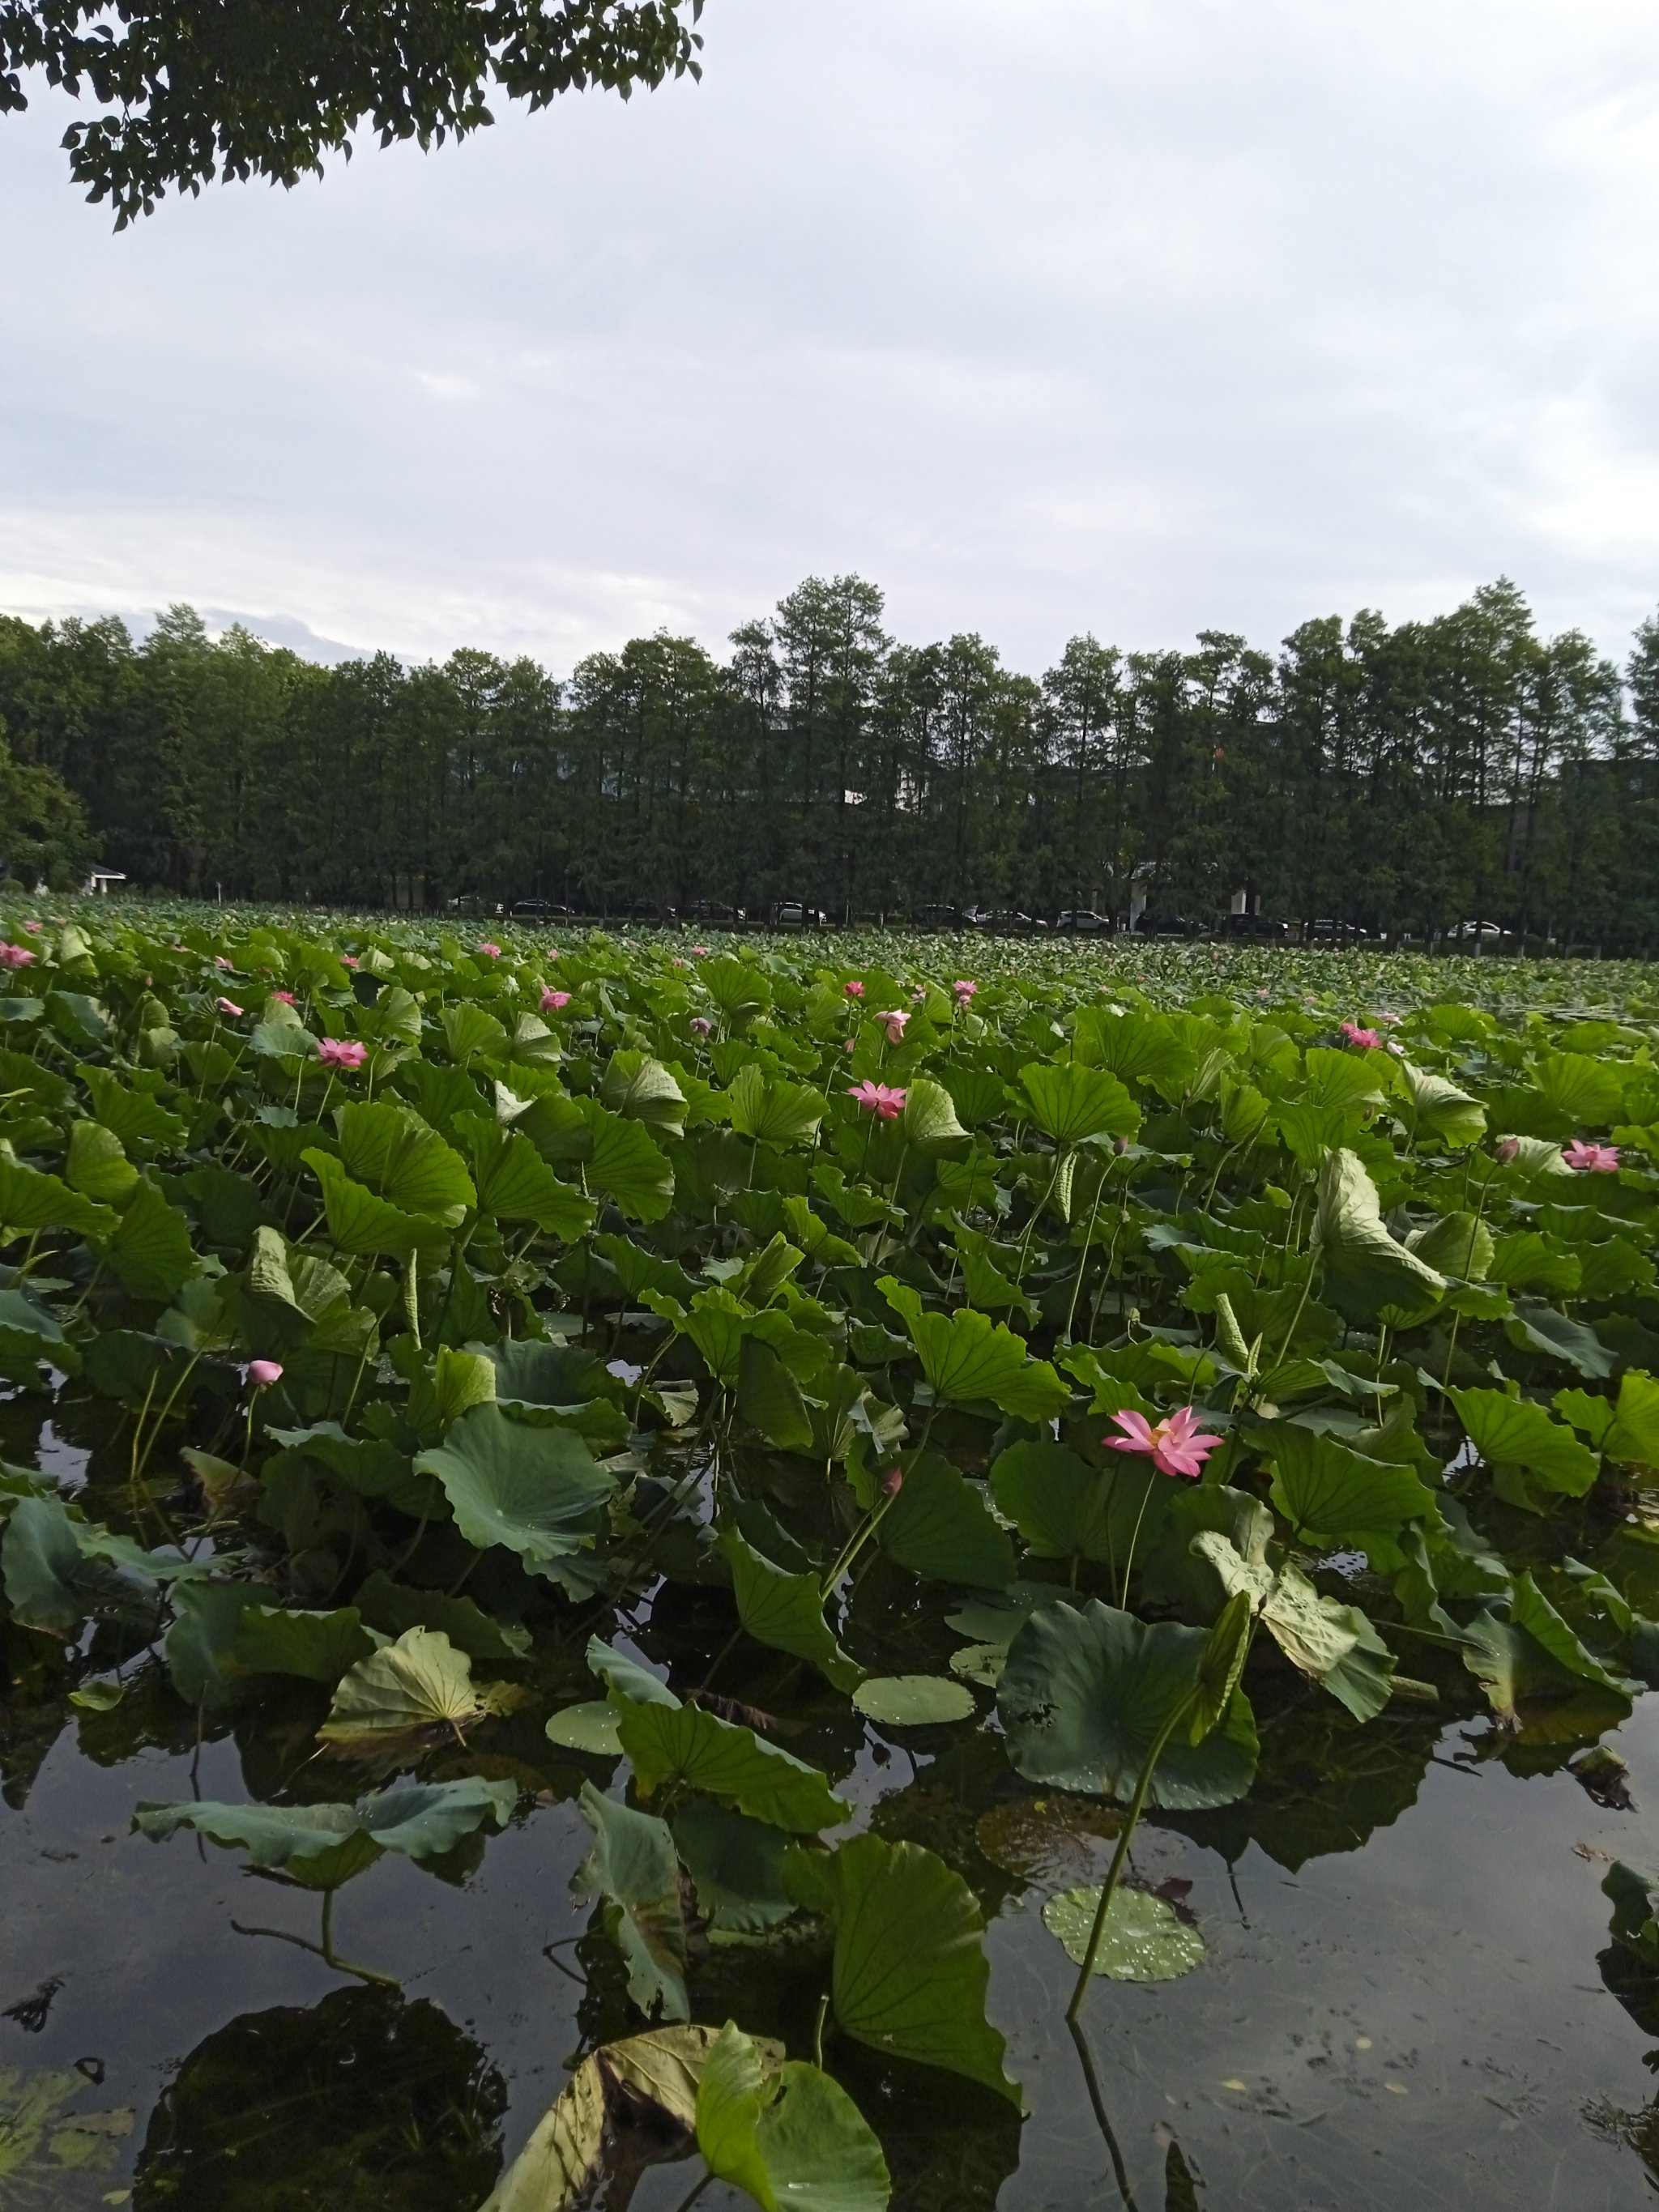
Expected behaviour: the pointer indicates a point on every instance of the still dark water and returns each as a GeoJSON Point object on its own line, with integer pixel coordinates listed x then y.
{"type": "Point", "coordinates": [1421, 2020]}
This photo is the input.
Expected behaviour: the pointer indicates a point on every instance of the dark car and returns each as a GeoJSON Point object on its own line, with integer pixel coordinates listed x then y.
{"type": "Point", "coordinates": [715, 910]}
{"type": "Point", "coordinates": [539, 911]}
{"type": "Point", "coordinates": [1152, 923]}
{"type": "Point", "coordinates": [1327, 932]}
{"type": "Point", "coordinates": [1255, 925]}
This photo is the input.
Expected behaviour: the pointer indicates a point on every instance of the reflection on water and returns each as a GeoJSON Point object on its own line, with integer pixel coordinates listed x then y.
{"type": "Point", "coordinates": [363, 2103]}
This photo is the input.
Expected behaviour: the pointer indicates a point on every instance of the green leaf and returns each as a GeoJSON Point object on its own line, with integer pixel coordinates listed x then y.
{"type": "Point", "coordinates": [393, 1606]}
{"type": "Point", "coordinates": [913, 1700]}
{"type": "Point", "coordinates": [363, 1224]}
{"type": "Point", "coordinates": [1633, 1438]}
{"type": "Point", "coordinates": [1515, 1432]}
{"type": "Point", "coordinates": [1145, 1940]}
{"type": "Point", "coordinates": [54, 1577]}
{"type": "Point", "coordinates": [792, 2139]}
{"type": "Point", "coordinates": [769, 1397]}
{"type": "Point", "coordinates": [590, 1726]}
{"type": "Point", "coordinates": [1058, 1503]}
{"type": "Point", "coordinates": [420, 1820]}
{"type": "Point", "coordinates": [642, 1089]}
{"type": "Point", "coordinates": [1458, 1244]}
{"type": "Point", "coordinates": [969, 1359]}
{"type": "Point", "coordinates": [738, 1866]}
{"type": "Point", "coordinates": [940, 1528]}
{"type": "Point", "coordinates": [909, 1972]}
{"type": "Point", "coordinates": [30, 1199]}
{"type": "Point", "coordinates": [685, 1744]}
{"type": "Point", "coordinates": [1590, 1093]}
{"type": "Point", "coordinates": [770, 1112]}
{"type": "Point", "coordinates": [1441, 1109]}
{"type": "Point", "coordinates": [785, 1611]}
{"type": "Point", "coordinates": [406, 1695]}
{"type": "Point", "coordinates": [1367, 1275]}
{"type": "Point", "coordinates": [97, 1166]}
{"type": "Point", "coordinates": [1071, 1103]}
{"type": "Point", "coordinates": [514, 1183]}
{"type": "Point", "coordinates": [627, 1678]}
{"type": "Point", "coordinates": [626, 1163]}
{"type": "Point", "coordinates": [471, 1034]}
{"type": "Point", "coordinates": [317, 1647]}
{"type": "Point", "coordinates": [537, 1492]}
{"type": "Point", "coordinates": [1325, 1490]}
{"type": "Point", "coordinates": [393, 1152]}
{"type": "Point", "coordinates": [1574, 1343]}
{"type": "Point", "coordinates": [929, 1117]}
{"type": "Point", "coordinates": [1086, 1693]}
{"type": "Point", "coordinates": [634, 1867]}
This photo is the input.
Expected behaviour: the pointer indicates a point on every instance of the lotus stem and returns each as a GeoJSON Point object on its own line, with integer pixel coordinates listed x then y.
{"type": "Point", "coordinates": [1108, 1891]}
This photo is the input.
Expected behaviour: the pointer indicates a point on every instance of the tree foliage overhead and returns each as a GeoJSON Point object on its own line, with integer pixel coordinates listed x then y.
{"type": "Point", "coordinates": [198, 88]}
{"type": "Point", "coordinates": [1406, 778]}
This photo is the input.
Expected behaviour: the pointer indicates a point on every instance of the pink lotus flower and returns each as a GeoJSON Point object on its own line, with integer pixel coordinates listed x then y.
{"type": "Point", "coordinates": [918, 995]}
{"type": "Point", "coordinates": [853, 990]}
{"type": "Point", "coordinates": [964, 990]}
{"type": "Point", "coordinates": [219, 961]}
{"type": "Point", "coordinates": [490, 951]}
{"type": "Point", "coordinates": [878, 1099]}
{"type": "Point", "coordinates": [1176, 1446]}
{"type": "Point", "coordinates": [35, 928]}
{"type": "Point", "coordinates": [262, 1373]}
{"type": "Point", "coordinates": [1591, 1160]}
{"type": "Point", "coordinates": [1508, 1149]}
{"type": "Point", "coordinates": [700, 1025]}
{"type": "Point", "coordinates": [340, 1052]}
{"type": "Point", "coordinates": [228, 1006]}
{"type": "Point", "coordinates": [851, 1045]}
{"type": "Point", "coordinates": [348, 960]}
{"type": "Point", "coordinates": [16, 955]}
{"type": "Point", "coordinates": [677, 962]}
{"type": "Point", "coordinates": [699, 952]}
{"type": "Point", "coordinates": [552, 1000]}
{"type": "Point", "coordinates": [1366, 1040]}
{"type": "Point", "coordinates": [896, 1019]}
{"type": "Point", "coordinates": [281, 998]}
{"type": "Point", "coordinates": [892, 1482]}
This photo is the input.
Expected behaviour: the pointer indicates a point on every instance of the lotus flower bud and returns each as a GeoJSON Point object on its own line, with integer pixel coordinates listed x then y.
{"type": "Point", "coordinates": [262, 1373]}
{"type": "Point", "coordinates": [1508, 1150]}
{"type": "Point", "coordinates": [892, 1482]}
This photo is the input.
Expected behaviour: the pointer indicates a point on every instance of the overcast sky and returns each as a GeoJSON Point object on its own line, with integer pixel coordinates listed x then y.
{"type": "Point", "coordinates": [1135, 316]}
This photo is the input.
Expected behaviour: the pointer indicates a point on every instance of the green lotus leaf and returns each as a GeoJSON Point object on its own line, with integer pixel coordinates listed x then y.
{"type": "Point", "coordinates": [391, 1152]}
{"type": "Point", "coordinates": [537, 1492]}
{"type": "Point", "coordinates": [627, 1677]}
{"type": "Point", "coordinates": [365, 1226]}
{"type": "Point", "coordinates": [909, 1973]}
{"type": "Point", "coordinates": [786, 1611]}
{"type": "Point", "coordinates": [57, 1569]}
{"type": "Point", "coordinates": [1458, 1244]}
{"type": "Point", "coordinates": [408, 1694]}
{"type": "Point", "coordinates": [792, 2137]}
{"type": "Point", "coordinates": [97, 1165]}
{"type": "Point", "coordinates": [1440, 1110]}
{"type": "Point", "coordinates": [1326, 1490]}
{"type": "Point", "coordinates": [969, 1359]}
{"type": "Point", "coordinates": [634, 1867]}
{"type": "Point", "coordinates": [1145, 1939]}
{"type": "Point", "coordinates": [940, 1527]}
{"type": "Point", "coordinates": [643, 1090]}
{"type": "Point", "coordinates": [1589, 1091]}
{"type": "Point", "coordinates": [1086, 1693]}
{"type": "Point", "coordinates": [514, 1183]}
{"type": "Point", "coordinates": [1515, 1431]}
{"type": "Point", "coordinates": [420, 1820]}
{"type": "Point", "coordinates": [769, 1399]}
{"type": "Point", "coordinates": [1633, 1438]}
{"type": "Point", "coordinates": [1070, 1103]}
{"type": "Point", "coordinates": [590, 1726]}
{"type": "Point", "coordinates": [737, 1864]}
{"type": "Point", "coordinates": [626, 1164]}
{"type": "Point", "coordinates": [684, 1744]}
{"type": "Point", "coordinates": [913, 1700]}
{"type": "Point", "coordinates": [770, 1112]}
{"type": "Point", "coordinates": [1367, 1274]}
{"type": "Point", "coordinates": [929, 1117]}
{"type": "Point", "coordinates": [1557, 1336]}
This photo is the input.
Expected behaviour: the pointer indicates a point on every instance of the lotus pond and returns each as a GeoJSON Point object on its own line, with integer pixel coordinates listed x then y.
{"type": "Point", "coordinates": [841, 1573]}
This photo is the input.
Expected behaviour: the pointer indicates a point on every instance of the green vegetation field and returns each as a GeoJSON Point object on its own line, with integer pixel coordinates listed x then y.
{"type": "Point", "coordinates": [642, 1382]}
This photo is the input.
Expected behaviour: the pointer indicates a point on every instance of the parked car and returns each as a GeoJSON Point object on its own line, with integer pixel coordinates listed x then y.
{"type": "Point", "coordinates": [1151, 924]}
{"type": "Point", "coordinates": [1010, 919]}
{"type": "Point", "coordinates": [1082, 921]}
{"type": "Point", "coordinates": [715, 910]}
{"type": "Point", "coordinates": [1328, 932]}
{"type": "Point", "coordinates": [539, 911]}
{"type": "Point", "coordinates": [792, 914]}
{"type": "Point", "coordinates": [1255, 925]}
{"type": "Point", "coordinates": [1492, 931]}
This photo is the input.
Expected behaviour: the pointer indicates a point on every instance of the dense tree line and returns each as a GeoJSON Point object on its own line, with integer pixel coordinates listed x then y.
{"type": "Point", "coordinates": [1403, 778]}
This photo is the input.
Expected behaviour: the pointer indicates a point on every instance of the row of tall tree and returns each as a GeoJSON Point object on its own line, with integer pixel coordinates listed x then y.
{"type": "Point", "coordinates": [1405, 778]}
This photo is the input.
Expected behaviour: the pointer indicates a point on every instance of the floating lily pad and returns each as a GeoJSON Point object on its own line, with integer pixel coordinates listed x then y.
{"type": "Point", "coordinates": [590, 1727]}
{"type": "Point", "coordinates": [913, 1700]}
{"type": "Point", "coordinates": [1145, 1940]}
